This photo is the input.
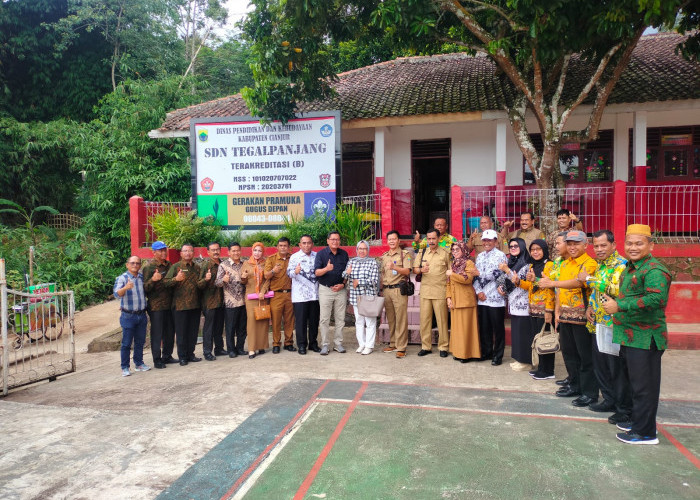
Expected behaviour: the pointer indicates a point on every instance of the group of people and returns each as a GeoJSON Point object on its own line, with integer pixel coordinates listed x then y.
{"type": "Point", "coordinates": [579, 296]}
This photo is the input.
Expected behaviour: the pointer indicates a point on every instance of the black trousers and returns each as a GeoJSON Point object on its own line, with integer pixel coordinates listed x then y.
{"type": "Point", "coordinates": [213, 330]}
{"type": "Point", "coordinates": [546, 365]}
{"type": "Point", "coordinates": [162, 334]}
{"type": "Point", "coordinates": [236, 328]}
{"type": "Point", "coordinates": [492, 331]}
{"type": "Point", "coordinates": [611, 374]}
{"type": "Point", "coordinates": [187, 329]}
{"type": "Point", "coordinates": [306, 318]}
{"type": "Point", "coordinates": [644, 371]}
{"type": "Point", "coordinates": [577, 351]}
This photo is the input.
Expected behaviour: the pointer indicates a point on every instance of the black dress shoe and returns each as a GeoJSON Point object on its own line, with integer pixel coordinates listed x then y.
{"type": "Point", "coordinates": [315, 348]}
{"type": "Point", "coordinates": [170, 361]}
{"type": "Point", "coordinates": [603, 406]}
{"type": "Point", "coordinates": [183, 362]}
{"type": "Point", "coordinates": [261, 351]}
{"type": "Point", "coordinates": [496, 362]}
{"type": "Point", "coordinates": [616, 418]}
{"type": "Point", "coordinates": [485, 358]}
{"type": "Point", "coordinates": [233, 354]}
{"type": "Point", "coordinates": [194, 359]}
{"type": "Point", "coordinates": [563, 382]}
{"type": "Point", "coordinates": [583, 401]}
{"type": "Point", "coordinates": [464, 361]}
{"type": "Point", "coordinates": [220, 352]}
{"type": "Point", "coordinates": [210, 357]}
{"type": "Point", "coordinates": [290, 348]}
{"type": "Point", "coordinates": [302, 350]}
{"type": "Point", "coordinates": [567, 392]}
{"type": "Point", "coordinates": [159, 364]}
{"type": "Point", "coordinates": [443, 354]}
{"type": "Point", "coordinates": [241, 352]}
{"type": "Point", "coordinates": [423, 352]}
{"type": "Point", "coordinates": [275, 349]}
{"type": "Point", "coordinates": [251, 356]}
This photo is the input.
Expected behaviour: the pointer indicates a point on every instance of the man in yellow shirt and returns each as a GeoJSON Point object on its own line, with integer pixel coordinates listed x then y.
{"type": "Point", "coordinates": [433, 265]}
{"type": "Point", "coordinates": [575, 339]}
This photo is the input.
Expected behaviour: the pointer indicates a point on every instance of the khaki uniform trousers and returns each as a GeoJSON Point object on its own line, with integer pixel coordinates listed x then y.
{"type": "Point", "coordinates": [427, 307]}
{"type": "Point", "coordinates": [396, 306]}
{"type": "Point", "coordinates": [281, 308]}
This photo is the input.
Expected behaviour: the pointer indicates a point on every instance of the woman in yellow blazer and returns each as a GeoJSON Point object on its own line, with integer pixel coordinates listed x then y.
{"type": "Point", "coordinates": [461, 301]}
{"type": "Point", "coordinates": [541, 302]}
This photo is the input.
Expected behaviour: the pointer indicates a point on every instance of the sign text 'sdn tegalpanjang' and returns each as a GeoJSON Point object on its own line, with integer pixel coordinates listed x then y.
{"type": "Point", "coordinates": [248, 174]}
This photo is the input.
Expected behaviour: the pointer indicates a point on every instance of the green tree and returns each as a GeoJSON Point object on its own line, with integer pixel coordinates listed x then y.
{"type": "Point", "coordinates": [224, 68]}
{"type": "Point", "coordinates": [119, 160]}
{"type": "Point", "coordinates": [534, 44]}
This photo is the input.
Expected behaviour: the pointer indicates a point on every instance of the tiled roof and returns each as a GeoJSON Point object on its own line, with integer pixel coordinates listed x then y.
{"type": "Point", "coordinates": [457, 83]}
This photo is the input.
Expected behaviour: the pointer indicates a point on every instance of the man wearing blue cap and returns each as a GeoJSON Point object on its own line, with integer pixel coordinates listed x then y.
{"type": "Point", "coordinates": [159, 301]}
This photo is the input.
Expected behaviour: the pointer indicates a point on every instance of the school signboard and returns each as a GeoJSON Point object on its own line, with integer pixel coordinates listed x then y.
{"type": "Point", "coordinates": [249, 174]}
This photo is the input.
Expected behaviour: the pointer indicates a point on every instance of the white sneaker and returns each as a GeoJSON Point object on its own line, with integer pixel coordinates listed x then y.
{"type": "Point", "coordinates": [324, 351]}
{"type": "Point", "coordinates": [143, 367]}
{"type": "Point", "coordinates": [125, 372]}
{"type": "Point", "coordinates": [367, 350]}
{"type": "Point", "coordinates": [359, 349]}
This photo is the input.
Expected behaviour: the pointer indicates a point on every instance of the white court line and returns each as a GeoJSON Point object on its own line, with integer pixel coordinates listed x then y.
{"type": "Point", "coordinates": [245, 487]}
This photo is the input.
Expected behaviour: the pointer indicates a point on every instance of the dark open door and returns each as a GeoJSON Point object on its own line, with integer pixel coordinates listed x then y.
{"type": "Point", "coordinates": [430, 182]}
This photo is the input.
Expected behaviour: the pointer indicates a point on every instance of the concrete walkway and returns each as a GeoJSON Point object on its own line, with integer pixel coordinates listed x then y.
{"type": "Point", "coordinates": [94, 434]}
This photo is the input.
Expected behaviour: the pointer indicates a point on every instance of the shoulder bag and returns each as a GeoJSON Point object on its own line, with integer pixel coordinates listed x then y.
{"type": "Point", "coordinates": [419, 276]}
{"type": "Point", "coordinates": [406, 287]}
{"type": "Point", "coordinates": [370, 306]}
{"type": "Point", "coordinates": [545, 342]}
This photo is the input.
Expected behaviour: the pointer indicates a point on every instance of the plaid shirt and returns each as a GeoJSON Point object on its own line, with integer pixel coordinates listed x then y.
{"type": "Point", "coordinates": [134, 299]}
{"type": "Point", "coordinates": [366, 272]}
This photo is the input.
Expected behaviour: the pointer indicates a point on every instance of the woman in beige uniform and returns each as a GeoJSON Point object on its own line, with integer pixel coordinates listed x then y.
{"type": "Point", "coordinates": [256, 285]}
{"type": "Point", "coordinates": [461, 301]}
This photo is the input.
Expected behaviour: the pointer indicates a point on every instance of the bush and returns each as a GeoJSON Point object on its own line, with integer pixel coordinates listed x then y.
{"type": "Point", "coordinates": [351, 224]}
{"type": "Point", "coordinates": [317, 226]}
{"type": "Point", "coordinates": [175, 230]}
{"type": "Point", "coordinates": [267, 239]}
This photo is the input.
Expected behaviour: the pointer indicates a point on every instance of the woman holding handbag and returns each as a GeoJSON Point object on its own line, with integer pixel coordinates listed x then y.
{"type": "Point", "coordinates": [362, 274]}
{"type": "Point", "coordinates": [541, 302]}
{"type": "Point", "coordinates": [461, 301]}
{"type": "Point", "coordinates": [256, 305]}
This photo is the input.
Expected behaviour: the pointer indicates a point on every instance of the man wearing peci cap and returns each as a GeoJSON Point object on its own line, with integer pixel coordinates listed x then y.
{"type": "Point", "coordinates": [491, 308]}
{"type": "Point", "coordinates": [639, 326]}
{"type": "Point", "coordinates": [575, 339]}
{"type": "Point", "coordinates": [128, 288]}
{"type": "Point", "coordinates": [159, 301]}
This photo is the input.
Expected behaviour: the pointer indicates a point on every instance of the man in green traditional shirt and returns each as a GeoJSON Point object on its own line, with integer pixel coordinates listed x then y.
{"type": "Point", "coordinates": [609, 369]}
{"type": "Point", "coordinates": [639, 326]}
{"type": "Point", "coordinates": [445, 240]}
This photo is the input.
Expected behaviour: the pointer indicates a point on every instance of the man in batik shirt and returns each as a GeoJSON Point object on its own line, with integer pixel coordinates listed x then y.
{"type": "Point", "coordinates": [639, 326]}
{"type": "Point", "coordinates": [609, 369]}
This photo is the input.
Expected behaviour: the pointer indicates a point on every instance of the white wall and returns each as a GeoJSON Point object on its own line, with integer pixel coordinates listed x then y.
{"type": "Point", "coordinates": [474, 144]}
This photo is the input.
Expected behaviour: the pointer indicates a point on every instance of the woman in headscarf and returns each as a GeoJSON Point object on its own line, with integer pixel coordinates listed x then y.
{"type": "Point", "coordinates": [461, 301]}
{"type": "Point", "coordinates": [521, 333]}
{"type": "Point", "coordinates": [362, 274]}
{"type": "Point", "coordinates": [541, 301]}
{"type": "Point", "coordinates": [255, 287]}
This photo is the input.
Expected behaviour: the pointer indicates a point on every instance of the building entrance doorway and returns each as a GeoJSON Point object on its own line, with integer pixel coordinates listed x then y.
{"type": "Point", "coordinates": [430, 182]}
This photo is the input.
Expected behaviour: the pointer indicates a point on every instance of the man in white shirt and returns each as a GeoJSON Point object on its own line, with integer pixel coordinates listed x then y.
{"type": "Point", "coordinates": [305, 295]}
{"type": "Point", "coordinates": [491, 307]}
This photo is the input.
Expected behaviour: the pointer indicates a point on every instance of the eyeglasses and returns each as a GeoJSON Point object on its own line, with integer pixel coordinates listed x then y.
{"type": "Point", "coordinates": [513, 246]}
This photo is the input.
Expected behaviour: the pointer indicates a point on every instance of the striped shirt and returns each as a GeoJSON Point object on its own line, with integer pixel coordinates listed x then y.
{"type": "Point", "coordinates": [366, 272]}
{"type": "Point", "coordinates": [134, 299]}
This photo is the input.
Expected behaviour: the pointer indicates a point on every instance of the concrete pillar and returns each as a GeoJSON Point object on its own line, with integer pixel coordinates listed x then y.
{"type": "Point", "coordinates": [639, 149]}
{"type": "Point", "coordinates": [621, 147]}
{"type": "Point", "coordinates": [379, 176]}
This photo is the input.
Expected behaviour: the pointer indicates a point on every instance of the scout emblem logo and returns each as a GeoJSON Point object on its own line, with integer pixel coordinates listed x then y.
{"type": "Point", "coordinates": [320, 205]}
{"type": "Point", "coordinates": [207, 184]}
{"type": "Point", "coordinates": [203, 135]}
{"type": "Point", "coordinates": [325, 180]}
